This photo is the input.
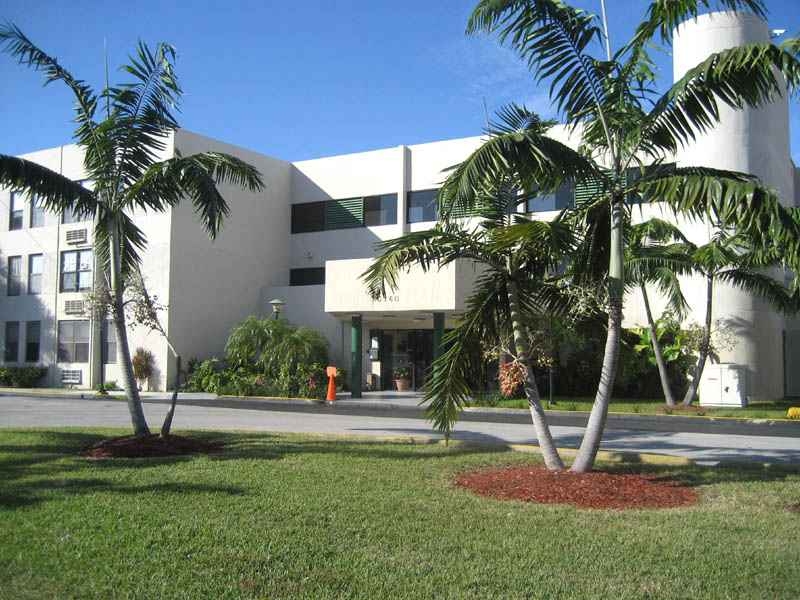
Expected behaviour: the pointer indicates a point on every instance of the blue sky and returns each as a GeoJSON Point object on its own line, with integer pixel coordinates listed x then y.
{"type": "Point", "coordinates": [297, 80]}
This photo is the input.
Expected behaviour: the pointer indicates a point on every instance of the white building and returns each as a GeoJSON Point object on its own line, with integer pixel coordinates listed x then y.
{"type": "Point", "coordinates": [308, 237]}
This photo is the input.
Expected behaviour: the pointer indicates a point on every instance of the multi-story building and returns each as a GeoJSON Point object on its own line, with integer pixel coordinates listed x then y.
{"type": "Point", "coordinates": [308, 237]}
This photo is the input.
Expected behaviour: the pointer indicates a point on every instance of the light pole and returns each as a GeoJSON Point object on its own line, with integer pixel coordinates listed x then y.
{"type": "Point", "coordinates": [277, 307]}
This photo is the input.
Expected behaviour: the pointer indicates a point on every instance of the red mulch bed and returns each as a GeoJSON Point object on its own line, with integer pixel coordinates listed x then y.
{"type": "Point", "coordinates": [597, 489]}
{"type": "Point", "coordinates": [130, 446]}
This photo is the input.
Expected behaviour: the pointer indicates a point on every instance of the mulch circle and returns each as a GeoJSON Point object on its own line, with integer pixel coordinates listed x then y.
{"type": "Point", "coordinates": [131, 446]}
{"type": "Point", "coordinates": [597, 489]}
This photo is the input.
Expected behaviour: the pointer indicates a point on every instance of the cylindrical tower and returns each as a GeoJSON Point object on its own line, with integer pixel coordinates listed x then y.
{"type": "Point", "coordinates": [751, 141]}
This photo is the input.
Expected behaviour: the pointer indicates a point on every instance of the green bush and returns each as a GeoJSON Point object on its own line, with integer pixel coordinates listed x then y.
{"type": "Point", "coordinates": [266, 357]}
{"type": "Point", "coordinates": [208, 376]}
{"type": "Point", "coordinates": [104, 388]}
{"type": "Point", "coordinates": [21, 377]}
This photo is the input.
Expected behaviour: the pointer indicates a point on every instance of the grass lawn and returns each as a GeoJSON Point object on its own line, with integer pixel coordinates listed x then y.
{"type": "Point", "coordinates": [755, 410]}
{"type": "Point", "coordinates": [297, 516]}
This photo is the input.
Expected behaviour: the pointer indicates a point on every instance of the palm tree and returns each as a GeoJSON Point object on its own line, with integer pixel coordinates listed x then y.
{"type": "Point", "coordinates": [652, 247]}
{"type": "Point", "coordinates": [612, 104]}
{"type": "Point", "coordinates": [738, 261]}
{"type": "Point", "coordinates": [516, 257]}
{"type": "Point", "coordinates": [121, 131]}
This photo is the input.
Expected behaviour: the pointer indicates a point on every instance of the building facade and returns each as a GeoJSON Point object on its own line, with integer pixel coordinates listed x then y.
{"type": "Point", "coordinates": [308, 237]}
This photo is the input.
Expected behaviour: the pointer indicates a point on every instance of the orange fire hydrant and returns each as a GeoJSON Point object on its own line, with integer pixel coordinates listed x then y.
{"type": "Point", "coordinates": [331, 397]}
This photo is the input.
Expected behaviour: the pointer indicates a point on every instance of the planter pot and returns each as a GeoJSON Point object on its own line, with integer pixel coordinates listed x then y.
{"type": "Point", "coordinates": [402, 385]}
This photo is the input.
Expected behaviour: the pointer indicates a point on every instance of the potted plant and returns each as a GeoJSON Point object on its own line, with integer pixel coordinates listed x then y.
{"type": "Point", "coordinates": [402, 379]}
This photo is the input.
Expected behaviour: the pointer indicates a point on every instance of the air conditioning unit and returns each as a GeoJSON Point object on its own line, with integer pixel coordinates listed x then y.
{"type": "Point", "coordinates": [71, 377]}
{"type": "Point", "coordinates": [73, 307]}
{"type": "Point", "coordinates": [77, 236]}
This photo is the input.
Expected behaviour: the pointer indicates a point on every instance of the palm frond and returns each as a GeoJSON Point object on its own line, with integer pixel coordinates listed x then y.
{"type": "Point", "coordinates": [132, 241]}
{"type": "Point", "coordinates": [728, 199]}
{"type": "Point", "coordinates": [663, 16]}
{"type": "Point", "coordinates": [141, 117]}
{"type": "Point", "coordinates": [17, 44]}
{"type": "Point", "coordinates": [747, 75]}
{"type": "Point", "coordinates": [553, 38]}
{"type": "Point", "coordinates": [447, 388]}
{"type": "Point", "coordinates": [197, 176]}
{"type": "Point", "coordinates": [525, 155]}
{"type": "Point", "coordinates": [762, 286]}
{"type": "Point", "coordinates": [655, 230]}
{"type": "Point", "coordinates": [539, 246]}
{"type": "Point", "coordinates": [437, 247]}
{"type": "Point", "coordinates": [53, 191]}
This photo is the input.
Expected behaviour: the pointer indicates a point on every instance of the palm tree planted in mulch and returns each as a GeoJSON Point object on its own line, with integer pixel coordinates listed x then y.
{"type": "Point", "coordinates": [122, 130]}
{"type": "Point", "coordinates": [610, 100]}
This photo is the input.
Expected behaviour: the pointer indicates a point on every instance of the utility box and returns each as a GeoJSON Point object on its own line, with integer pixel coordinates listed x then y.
{"type": "Point", "coordinates": [723, 385]}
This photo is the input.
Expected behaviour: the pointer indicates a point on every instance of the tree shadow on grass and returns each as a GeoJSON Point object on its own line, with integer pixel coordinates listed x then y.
{"type": "Point", "coordinates": [24, 494]}
{"type": "Point", "coordinates": [45, 461]}
{"type": "Point", "coordinates": [701, 475]}
{"type": "Point", "coordinates": [271, 447]}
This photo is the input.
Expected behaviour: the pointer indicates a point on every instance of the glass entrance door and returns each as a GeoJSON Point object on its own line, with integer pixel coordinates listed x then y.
{"type": "Point", "coordinates": [412, 348]}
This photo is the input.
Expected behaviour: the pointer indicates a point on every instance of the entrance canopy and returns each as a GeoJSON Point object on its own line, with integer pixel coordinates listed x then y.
{"type": "Point", "coordinates": [417, 296]}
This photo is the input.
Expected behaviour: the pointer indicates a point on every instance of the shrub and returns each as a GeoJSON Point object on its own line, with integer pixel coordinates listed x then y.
{"type": "Point", "coordinates": [104, 388]}
{"type": "Point", "coordinates": [793, 412]}
{"type": "Point", "coordinates": [208, 376]}
{"type": "Point", "coordinates": [21, 377]}
{"type": "Point", "coordinates": [143, 363]}
{"type": "Point", "coordinates": [402, 373]}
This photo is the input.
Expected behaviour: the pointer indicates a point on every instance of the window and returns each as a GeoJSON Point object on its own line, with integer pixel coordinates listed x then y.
{"type": "Point", "coordinates": [12, 341]}
{"type": "Point", "coordinates": [37, 213]}
{"type": "Point", "coordinates": [72, 216]}
{"type": "Point", "coordinates": [421, 206]}
{"type": "Point", "coordinates": [380, 210]}
{"type": "Point", "coordinates": [33, 330]}
{"type": "Point", "coordinates": [76, 270]}
{"type": "Point", "coordinates": [14, 275]}
{"type": "Point", "coordinates": [308, 217]}
{"type": "Point", "coordinates": [313, 276]}
{"type": "Point", "coordinates": [345, 213]}
{"type": "Point", "coordinates": [109, 343]}
{"type": "Point", "coordinates": [16, 212]}
{"type": "Point", "coordinates": [73, 341]}
{"type": "Point", "coordinates": [562, 198]}
{"type": "Point", "coordinates": [35, 268]}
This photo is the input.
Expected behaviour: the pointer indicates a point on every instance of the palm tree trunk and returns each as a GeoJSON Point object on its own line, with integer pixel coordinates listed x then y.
{"type": "Point", "coordinates": [587, 453]}
{"type": "Point", "coordinates": [705, 345]}
{"type": "Point", "coordinates": [660, 362]}
{"type": "Point", "coordinates": [552, 460]}
{"type": "Point", "coordinates": [167, 425]}
{"type": "Point", "coordinates": [123, 350]}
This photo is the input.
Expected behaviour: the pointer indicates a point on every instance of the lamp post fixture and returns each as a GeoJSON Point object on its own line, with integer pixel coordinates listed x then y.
{"type": "Point", "coordinates": [277, 307]}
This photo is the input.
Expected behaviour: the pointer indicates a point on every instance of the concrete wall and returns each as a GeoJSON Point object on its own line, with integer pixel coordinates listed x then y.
{"type": "Point", "coordinates": [215, 284]}
{"type": "Point", "coordinates": [50, 240]}
{"type": "Point", "coordinates": [752, 141]}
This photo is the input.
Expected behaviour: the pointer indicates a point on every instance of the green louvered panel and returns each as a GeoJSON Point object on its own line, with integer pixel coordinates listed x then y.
{"type": "Point", "coordinates": [586, 191]}
{"type": "Point", "coordinates": [341, 214]}
{"type": "Point", "coordinates": [460, 212]}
